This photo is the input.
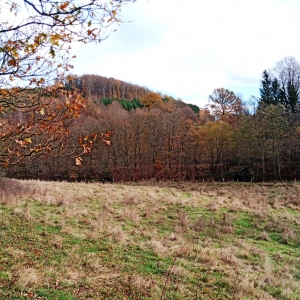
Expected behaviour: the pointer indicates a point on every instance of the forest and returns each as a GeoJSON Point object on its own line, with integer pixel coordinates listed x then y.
{"type": "Point", "coordinates": [58, 126]}
{"type": "Point", "coordinates": [156, 137]}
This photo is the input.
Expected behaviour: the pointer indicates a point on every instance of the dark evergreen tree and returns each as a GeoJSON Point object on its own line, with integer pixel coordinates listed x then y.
{"type": "Point", "coordinates": [276, 92]}
{"type": "Point", "coordinates": [136, 103]}
{"type": "Point", "coordinates": [289, 96]}
{"type": "Point", "coordinates": [272, 91]}
{"type": "Point", "coordinates": [266, 90]}
{"type": "Point", "coordinates": [195, 108]}
{"type": "Point", "coordinates": [288, 73]}
{"type": "Point", "coordinates": [292, 97]}
{"type": "Point", "coordinates": [107, 101]}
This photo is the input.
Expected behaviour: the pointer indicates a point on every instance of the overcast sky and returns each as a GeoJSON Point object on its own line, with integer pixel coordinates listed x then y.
{"type": "Point", "coordinates": [188, 48]}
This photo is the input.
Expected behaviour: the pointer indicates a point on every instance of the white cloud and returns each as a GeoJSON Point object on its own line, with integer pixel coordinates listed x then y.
{"type": "Point", "coordinates": [188, 48]}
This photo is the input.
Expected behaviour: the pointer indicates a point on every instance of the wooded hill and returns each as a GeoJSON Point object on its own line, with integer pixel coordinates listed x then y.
{"type": "Point", "coordinates": [106, 90]}
{"type": "Point", "coordinates": [159, 138]}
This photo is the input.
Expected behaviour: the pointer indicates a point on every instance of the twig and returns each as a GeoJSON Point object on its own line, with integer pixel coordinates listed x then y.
{"type": "Point", "coordinates": [169, 273]}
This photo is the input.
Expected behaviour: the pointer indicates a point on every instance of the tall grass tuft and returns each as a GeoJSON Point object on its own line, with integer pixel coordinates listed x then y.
{"type": "Point", "coordinates": [11, 190]}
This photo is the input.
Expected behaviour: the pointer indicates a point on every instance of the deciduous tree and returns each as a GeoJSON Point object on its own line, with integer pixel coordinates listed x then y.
{"type": "Point", "coordinates": [35, 58]}
{"type": "Point", "coordinates": [217, 138]}
{"type": "Point", "coordinates": [225, 105]}
{"type": "Point", "coordinates": [152, 100]}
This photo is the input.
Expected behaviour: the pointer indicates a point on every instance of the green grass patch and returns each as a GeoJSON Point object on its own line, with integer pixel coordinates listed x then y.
{"type": "Point", "coordinates": [169, 243]}
{"type": "Point", "coordinates": [54, 295]}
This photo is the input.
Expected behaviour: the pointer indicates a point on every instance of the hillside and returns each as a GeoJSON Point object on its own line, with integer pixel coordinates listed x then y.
{"type": "Point", "coordinates": [154, 136]}
{"type": "Point", "coordinates": [107, 89]}
{"type": "Point", "coordinates": [169, 241]}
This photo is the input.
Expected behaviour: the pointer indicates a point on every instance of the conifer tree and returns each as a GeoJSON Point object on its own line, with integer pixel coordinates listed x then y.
{"type": "Point", "coordinates": [266, 89]}
{"type": "Point", "coordinates": [276, 91]}
{"type": "Point", "coordinates": [270, 90]}
{"type": "Point", "coordinates": [292, 97]}
{"type": "Point", "coordinates": [288, 73]}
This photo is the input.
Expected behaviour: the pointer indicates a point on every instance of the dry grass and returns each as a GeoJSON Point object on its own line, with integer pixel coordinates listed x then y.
{"type": "Point", "coordinates": [216, 239]}
{"type": "Point", "coordinates": [12, 190]}
{"type": "Point", "coordinates": [28, 277]}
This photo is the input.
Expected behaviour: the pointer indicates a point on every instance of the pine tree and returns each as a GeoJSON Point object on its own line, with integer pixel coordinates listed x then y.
{"type": "Point", "coordinates": [288, 73]}
{"type": "Point", "coordinates": [276, 92]}
{"type": "Point", "coordinates": [292, 97]}
{"type": "Point", "coordinates": [266, 90]}
{"type": "Point", "coordinates": [289, 96]}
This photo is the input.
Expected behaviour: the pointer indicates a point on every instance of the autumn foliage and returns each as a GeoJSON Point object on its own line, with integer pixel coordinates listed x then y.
{"type": "Point", "coordinates": [171, 142]}
{"type": "Point", "coordinates": [152, 100]}
{"type": "Point", "coordinates": [57, 126]}
{"type": "Point", "coordinates": [37, 109]}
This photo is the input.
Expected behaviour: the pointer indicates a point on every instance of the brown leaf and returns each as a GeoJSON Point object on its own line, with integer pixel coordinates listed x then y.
{"type": "Point", "coordinates": [78, 161]}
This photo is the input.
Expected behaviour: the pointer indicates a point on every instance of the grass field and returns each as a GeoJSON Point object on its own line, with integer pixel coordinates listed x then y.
{"type": "Point", "coordinates": [63, 240]}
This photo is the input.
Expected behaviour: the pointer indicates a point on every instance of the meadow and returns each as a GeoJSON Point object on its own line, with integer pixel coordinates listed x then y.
{"type": "Point", "coordinates": [149, 240]}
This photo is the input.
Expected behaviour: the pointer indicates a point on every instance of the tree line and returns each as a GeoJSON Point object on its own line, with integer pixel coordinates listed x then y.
{"type": "Point", "coordinates": [57, 126]}
{"type": "Point", "coordinates": [166, 140]}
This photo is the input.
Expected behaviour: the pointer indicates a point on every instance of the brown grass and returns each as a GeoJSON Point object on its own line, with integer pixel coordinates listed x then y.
{"type": "Point", "coordinates": [97, 211]}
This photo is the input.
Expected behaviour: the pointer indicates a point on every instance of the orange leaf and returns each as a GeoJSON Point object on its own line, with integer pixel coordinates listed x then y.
{"type": "Point", "coordinates": [64, 5]}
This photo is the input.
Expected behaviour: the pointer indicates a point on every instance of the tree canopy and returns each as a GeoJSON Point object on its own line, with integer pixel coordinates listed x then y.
{"type": "Point", "coordinates": [225, 104]}
{"type": "Point", "coordinates": [35, 36]}
{"type": "Point", "coordinates": [281, 84]}
{"type": "Point", "coordinates": [35, 62]}
{"type": "Point", "coordinates": [152, 100]}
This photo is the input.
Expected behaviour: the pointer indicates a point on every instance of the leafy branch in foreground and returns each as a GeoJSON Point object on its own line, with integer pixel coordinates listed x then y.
{"type": "Point", "coordinates": [35, 42]}
{"type": "Point", "coordinates": [36, 36]}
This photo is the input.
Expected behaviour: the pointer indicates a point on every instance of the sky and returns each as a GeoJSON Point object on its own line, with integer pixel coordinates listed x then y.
{"type": "Point", "coordinates": [186, 49]}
